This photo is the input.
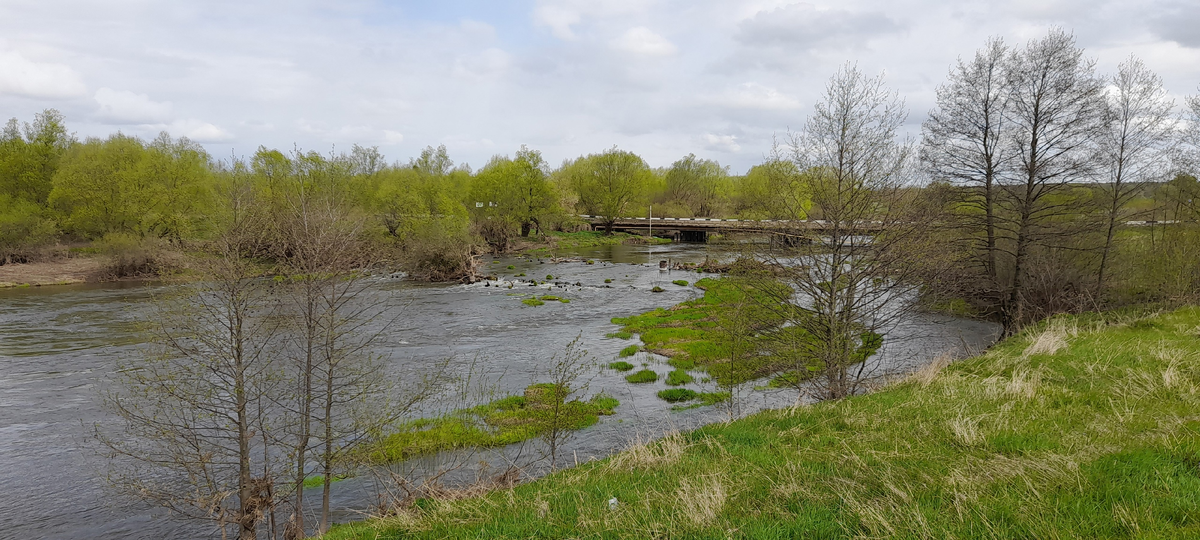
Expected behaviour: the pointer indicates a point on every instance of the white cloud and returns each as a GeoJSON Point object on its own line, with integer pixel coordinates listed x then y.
{"type": "Point", "coordinates": [559, 18]}
{"type": "Point", "coordinates": [753, 95]}
{"type": "Point", "coordinates": [23, 77]}
{"type": "Point", "coordinates": [125, 107]}
{"type": "Point", "coordinates": [392, 137]}
{"type": "Point", "coordinates": [562, 15]}
{"type": "Point", "coordinates": [805, 26]}
{"type": "Point", "coordinates": [488, 63]}
{"type": "Point", "coordinates": [720, 143]}
{"type": "Point", "coordinates": [643, 41]}
{"type": "Point", "coordinates": [196, 130]}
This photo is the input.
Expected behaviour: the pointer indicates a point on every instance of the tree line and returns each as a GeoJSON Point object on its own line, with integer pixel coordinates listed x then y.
{"type": "Point", "coordinates": [122, 190]}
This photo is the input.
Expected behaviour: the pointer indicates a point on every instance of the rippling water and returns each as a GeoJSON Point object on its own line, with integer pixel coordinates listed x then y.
{"type": "Point", "coordinates": [57, 345]}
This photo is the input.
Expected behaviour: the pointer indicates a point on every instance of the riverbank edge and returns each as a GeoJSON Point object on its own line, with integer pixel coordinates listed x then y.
{"type": "Point", "coordinates": [1081, 426]}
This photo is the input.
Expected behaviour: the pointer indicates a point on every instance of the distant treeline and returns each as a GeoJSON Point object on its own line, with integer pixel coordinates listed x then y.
{"type": "Point", "coordinates": [55, 188]}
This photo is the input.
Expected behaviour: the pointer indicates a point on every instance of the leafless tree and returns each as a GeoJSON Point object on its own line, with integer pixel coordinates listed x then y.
{"type": "Point", "coordinates": [963, 141]}
{"type": "Point", "coordinates": [1136, 146]}
{"type": "Point", "coordinates": [558, 409]}
{"type": "Point", "coordinates": [1056, 117]}
{"type": "Point", "coordinates": [849, 287]}
{"type": "Point", "coordinates": [194, 405]}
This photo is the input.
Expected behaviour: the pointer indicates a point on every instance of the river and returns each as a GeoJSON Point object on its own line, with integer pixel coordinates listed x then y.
{"type": "Point", "coordinates": [58, 344]}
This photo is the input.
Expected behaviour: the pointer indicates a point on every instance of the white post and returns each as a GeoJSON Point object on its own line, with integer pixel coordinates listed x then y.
{"type": "Point", "coordinates": [652, 224]}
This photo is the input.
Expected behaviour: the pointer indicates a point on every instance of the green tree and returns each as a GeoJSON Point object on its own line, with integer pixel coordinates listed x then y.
{"type": "Point", "coordinates": [608, 183]}
{"type": "Point", "coordinates": [697, 184]}
{"type": "Point", "coordinates": [774, 190]}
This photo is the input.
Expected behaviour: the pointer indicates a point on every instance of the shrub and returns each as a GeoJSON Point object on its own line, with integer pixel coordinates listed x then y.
{"type": "Point", "coordinates": [678, 377]}
{"type": "Point", "coordinates": [629, 351]}
{"type": "Point", "coordinates": [132, 256]}
{"type": "Point", "coordinates": [620, 366]}
{"type": "Point", "coordinates": [675, 395]}
{"type": "Point", "coordinates": [643, 376]}
{"type": "Point", "coordinates": [681, 282]}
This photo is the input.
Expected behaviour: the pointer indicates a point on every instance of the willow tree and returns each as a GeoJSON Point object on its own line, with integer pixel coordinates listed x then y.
{"type": "Point", "coordinates": [608, 183]}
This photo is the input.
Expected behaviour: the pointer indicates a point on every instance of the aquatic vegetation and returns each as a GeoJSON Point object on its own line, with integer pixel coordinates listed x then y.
{"type": "Point", "coordinates": [678, 377]}
{"type": "Point", "coordinates": [620, 365]}
{"type": "Point", "coordinates": [549, 277]}
{"type": "Point", "coordinates": [501, 422]}
{"type": "Point", "coordinates": [511, 267]}
{"type": "Point", "coordinates": [629, 351]}
{"type": "Point", "coordinates": [657, 289]}
{"type": "Point", "coordinates": [533, 302]}
{"type": "Point", "coordinates": [681, 282]}
{"type": "Point", "coordinates": [549, 298]}
{"type": "Point", "coordinates": [621, 334]}
{"type": "Point", "coordinates": [643, 376]}
{"type": "Point", "coordinates": [608, 280]}
{"type": "Point", "coordinates": [675, 395]}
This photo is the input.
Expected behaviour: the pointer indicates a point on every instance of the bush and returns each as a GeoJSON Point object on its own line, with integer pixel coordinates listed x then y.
{"type": "Point", "coordinates": [629, 351]}
{"type": "Point", "coordinates": [439, 249]}
{"type": "Point", "coordinates": [675, 395]}
{"type": "Point", "coordinates": [643, 376]}
{"type": "Point", "coordinates": [678, 377]}
{"type": "Point", "coordinates": [131, 256]}
{"type": "Point", "coordinates": [23, 230]}
{"type": "Point", "coordinates": [620, 366]}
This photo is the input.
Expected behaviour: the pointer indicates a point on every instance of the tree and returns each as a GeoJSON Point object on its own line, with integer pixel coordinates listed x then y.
{"type": "Point", "coordinates": [963, 141]}
{"type": "Point", "coordinates": [775, 189]}
{"type": "Point", "coordinates": [557, 414]}
{"type": "Point", "coordinates": [194, 405]}
{"type": "Point", "coordinates": [608, 183]}
{"type": "Point", "coordinates": [1055, 118]}
{"type": "Point", "coordinates": [697, 184]}
{"type": "Point", "coordinates": [1135, 146]}
{"type": "Point", "coordinates": [514, 192]}
{"type": "Point", "coordinates": [850, 287]}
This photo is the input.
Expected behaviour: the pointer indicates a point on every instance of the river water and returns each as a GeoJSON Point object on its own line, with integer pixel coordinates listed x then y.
{"type": "Point", "coordinates": [58, 345]}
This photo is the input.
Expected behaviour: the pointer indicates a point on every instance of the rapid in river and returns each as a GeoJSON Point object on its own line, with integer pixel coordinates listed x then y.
{"type": "Point", "coordinates": [58, 345]}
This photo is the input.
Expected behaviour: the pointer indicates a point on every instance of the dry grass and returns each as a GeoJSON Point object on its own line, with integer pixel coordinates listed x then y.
{"type": "Point", "coordinates": [641, 454]}
{"type": "Point", "coordinates": [930, 371]}
{"type": "Point", "coordinates": [701, 499]}
{"type": "Point", "coordinates": [966, 431]}
{"type": "Point", "coordinates": [1053, 339]}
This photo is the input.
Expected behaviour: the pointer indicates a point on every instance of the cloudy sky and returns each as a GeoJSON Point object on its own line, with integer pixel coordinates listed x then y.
{"type": "Point", "coordinates": [662, 78]}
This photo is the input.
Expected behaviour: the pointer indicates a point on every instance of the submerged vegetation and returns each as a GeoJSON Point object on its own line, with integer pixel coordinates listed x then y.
{"type": "Point", "coordinates": [1081, 427]}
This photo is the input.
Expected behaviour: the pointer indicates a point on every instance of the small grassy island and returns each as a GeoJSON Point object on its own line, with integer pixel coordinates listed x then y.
{"type": "Point", "coordinates": [1080, 427]}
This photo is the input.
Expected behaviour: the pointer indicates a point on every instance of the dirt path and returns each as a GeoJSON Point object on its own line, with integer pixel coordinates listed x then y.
{"type": "Point", "coordinates": [73, 270]}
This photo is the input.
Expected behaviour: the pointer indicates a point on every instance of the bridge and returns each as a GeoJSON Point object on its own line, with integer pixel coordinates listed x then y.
{"type": "Point", "coordinates": [698, 229]}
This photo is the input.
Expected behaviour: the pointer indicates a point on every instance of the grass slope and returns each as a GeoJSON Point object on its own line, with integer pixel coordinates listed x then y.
{"type": "Point", "coordinates": [1084, 428]}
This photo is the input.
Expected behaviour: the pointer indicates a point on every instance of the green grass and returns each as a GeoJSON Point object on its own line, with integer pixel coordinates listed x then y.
{"type": "Point", "coordinates": [559, 241]}
{"type": "Point", "coordinates": [675, 395]}
{"type": "Point", "coordinates": [678, 377]}
{"type": "Point", "coordinates": [1085, 427]}
{"type": "Point", "coordinates": [504, 421]}
{"type": "Point", "coordinates": [319, 481]}
{"type": "Point", "coordinates": [629, 351]}
{"type": "Point", "coordinates": [643, 376]}
{"type": "Point", "coordinates": [620, 335]}
{"type": "Point", "coordinates": [533, 302]}
{"type": "Point", "coordinates": [691, 333]}
{"type": "Point", "coordinates": [620, 366]}
{"type": "Point", "coordinates": [549, 298]}
{"type": "Point", "coordinates": [704, 399]}
{"type": "Point", "coordinates": [681, 282]}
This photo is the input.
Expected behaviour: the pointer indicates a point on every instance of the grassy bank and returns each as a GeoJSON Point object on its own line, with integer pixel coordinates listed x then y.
{"type": "Point", "coordinates": [1088, 427]}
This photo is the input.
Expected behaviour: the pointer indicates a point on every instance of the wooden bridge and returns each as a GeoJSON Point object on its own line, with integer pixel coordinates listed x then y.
{"type": "Point", "coordinates": [698, 229]}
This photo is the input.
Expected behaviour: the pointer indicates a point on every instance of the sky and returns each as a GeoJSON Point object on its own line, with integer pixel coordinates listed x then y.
{"type": "Point", "coordinates": [661, 78]}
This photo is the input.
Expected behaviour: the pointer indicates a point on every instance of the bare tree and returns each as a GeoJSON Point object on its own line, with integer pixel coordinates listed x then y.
{"type": "Point", "coordinates": [963, 141]}
{"type": "Point", "coordinates": [1136, 145]}
{"type": "Point", "coordinates": [1055, 118]}
{"type": "Point", "coordinates": [192, 404]}
{"type": "Point", "coordinates": [556, 402]}
{"type": "Point", "coordinates": [849, 287]}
